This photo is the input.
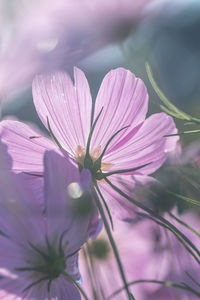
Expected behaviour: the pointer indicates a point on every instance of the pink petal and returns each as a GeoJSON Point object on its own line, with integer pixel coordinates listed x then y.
{"type": "Point", "coordinates": [36, 185]}
{"type": "Point", "coordinates": [7, 259]}
{"type": "Point", "coordinates": [148, 146]}
{"type": "Point", "coordinates": [67, 106]}
{"type": "Point", "coordinates": [27, 152]}
{"type": "Point", "coordinates": [61, 217]}
{"type": "Point", "coordinates": [63, 289]}
{"type": "Point", "coordinates": [124, 100]}
{"type": "Point", "coordinates": [39, 291]}
{"type": "Point", "coordinates": [72, 267]}
{"type": "Point", "coordinates": [59, 173]}
{"type": "Point", "coordinates": [12, 289]}
{"type": "Point", "coordinates": [20, 215]}
{"type": "Point", "coordinates": [131, 186]}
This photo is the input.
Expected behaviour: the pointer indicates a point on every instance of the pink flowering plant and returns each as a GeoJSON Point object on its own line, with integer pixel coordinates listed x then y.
{"type": "Point", "coordinates": [93, 168]}
{"type": "Point", "coordinates": [118, 143]}
{"type": "Point", "coordinates": [104, 203]}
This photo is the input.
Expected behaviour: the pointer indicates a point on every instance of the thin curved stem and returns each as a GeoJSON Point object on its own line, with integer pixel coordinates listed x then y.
{"type": "Point", "coordinates": [91, 132]}
{"type": "Point", "coordinates": [106, 207]}
{"type": "Point", "coordinates": [52, 134]}
{"type": "Point", "coordinates": [193, 279]}
{"type": "Point", "coordinates": [152, 213]}
{"type": "Point", "coordinates": [165, 283]}
{"type": "Point", "coordinates": [176, 235]}
{"type": "Point", "coordinates": [184, 224]}
{"type": "Point", "coordinates": [76, 284]}
{"type": "Point", "coordinates": [31, 174]}
{"type": "Point", "coordinates": [112, 242]}
{"type": "Point", "coordinates": [110, 140]}
{"type": "Point", "coordinates": [124, 170]}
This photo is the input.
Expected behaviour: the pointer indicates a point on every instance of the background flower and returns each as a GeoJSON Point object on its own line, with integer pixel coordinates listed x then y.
{"type": "Point", "coordinates": [45, 242]}
{"type": "Point", "coordinates": [148, 252]}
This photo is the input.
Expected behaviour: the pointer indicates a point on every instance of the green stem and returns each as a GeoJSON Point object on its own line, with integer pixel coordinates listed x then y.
{"type": "Point", "coordinates": [124, 170]}
{"type": "Point", "coordinates": [190, 289]}
{"type": "Point", "coordinates": [112, 242]}
{"type": "Point", "coordinates": [151, 212]}
{"type": "Point", "coordinates": [177, 236]}
{"type": "Point", "coordinates": [110, 140]}
{"type": "Point", "coordinates": [191, 201]}
{"type": "Point", "coordinates": [106, 207]}
{"type": "Point", "coordinates": [92, 278]}
{"type": "Point", "coordinates": [193, 279]}
{"type": "Point", "coordinates": [184, 132]}
{"type": "Point", "coordinates": [76, 284]}
{"type": "Point", "coordinates": [166, 283]}
{"type": "Point", "coordinates": [184, 224]}
{"type": "Point", "coordinates": [31, 174]}
{"type": "Point", "coordinates": [171, 108]}
{"type": "Point", "coordinates": [91, 132]}
{"type": "Point", "coordinates": [52, 134]}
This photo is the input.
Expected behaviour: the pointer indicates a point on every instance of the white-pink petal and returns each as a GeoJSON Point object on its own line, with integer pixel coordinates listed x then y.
{"type": "Point", "coordinates": [25, 145]}
{"type": "Point", "coordinates": [135, 187]}
{"type": "Point", "coordinates": [124, 100]}
{"type": "Point", "coordinates": [67, 106]}
{"type": "Point", "coordinates": [148, 146]}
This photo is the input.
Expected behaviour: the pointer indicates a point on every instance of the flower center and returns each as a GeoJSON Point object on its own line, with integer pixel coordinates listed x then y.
{"type": "Point", "coordinates": [93, 164]}
{"type": "Point", "coordinates": [47, 263]}
{"type": "Point", "coordinates": [51, 263]}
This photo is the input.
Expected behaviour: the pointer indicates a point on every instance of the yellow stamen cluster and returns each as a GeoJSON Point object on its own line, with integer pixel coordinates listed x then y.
{"type": "Point", "coordinates": [95, 154]}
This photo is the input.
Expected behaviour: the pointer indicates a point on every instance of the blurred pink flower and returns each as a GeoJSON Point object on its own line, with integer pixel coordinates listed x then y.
{"type": "Point", "coordinates": [191, 155]}
{"type": "Point", "coordinates": [184, 155]}
{"type": "Point", "coordinates": [136, 245]}
{"type": "Point", "coordinates": [39, 249]}
{"type": "Point", "coordinates": [65, 109]}
{"type": "Point", "coordinates": [181, 265]}
{"type": "Point", "coordinates": [181, 175]}
{"type": "Point", "coordinates": [147, 252]}
{"type": "Point", "coordinates": [57, 34]}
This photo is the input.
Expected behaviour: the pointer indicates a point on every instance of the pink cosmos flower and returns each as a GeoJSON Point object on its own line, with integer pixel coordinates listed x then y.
{"type": "Point", "coordinates": [121, 141]}
{"type": "Point", "coordinates": [39, 249]}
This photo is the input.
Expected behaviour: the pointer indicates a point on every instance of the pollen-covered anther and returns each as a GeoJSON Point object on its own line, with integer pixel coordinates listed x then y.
{"type": "Point", "coordinates": [80, 155]}
{"type": "Point", "coordinates": [94, 155]}
{"type": "Point", "coordinates": [106, 166]}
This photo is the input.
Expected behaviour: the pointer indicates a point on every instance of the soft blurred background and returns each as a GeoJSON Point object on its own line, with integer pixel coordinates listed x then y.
{"type": "Point", "coordinates": [38, 36]}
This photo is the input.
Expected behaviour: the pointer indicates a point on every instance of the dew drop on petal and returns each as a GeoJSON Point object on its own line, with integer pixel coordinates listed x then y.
{"type": "Point", "coordinates": [74, 190]}
{"type": "Point", "coordinates": [80, 281]}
